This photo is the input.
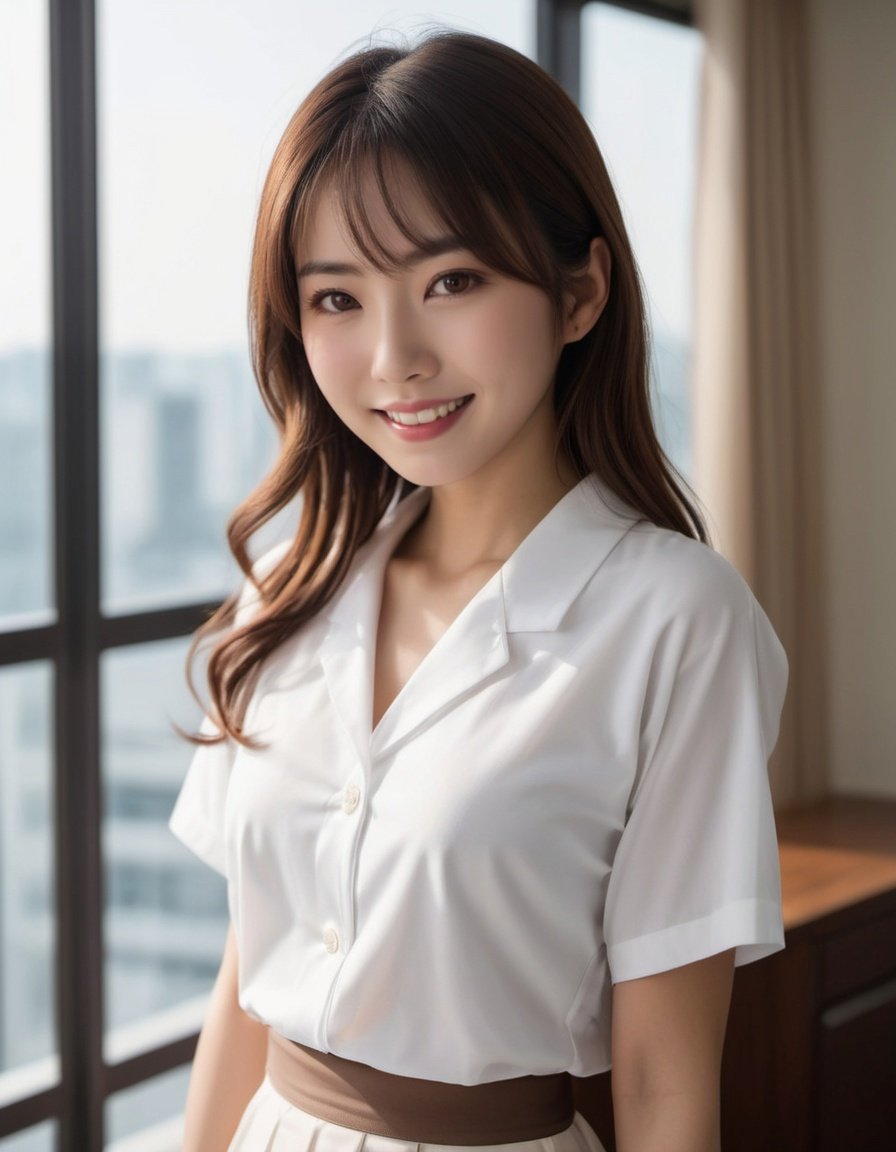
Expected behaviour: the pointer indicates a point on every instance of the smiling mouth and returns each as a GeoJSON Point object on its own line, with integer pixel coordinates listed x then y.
{"type": "Point", "coordinates": [427, 415]}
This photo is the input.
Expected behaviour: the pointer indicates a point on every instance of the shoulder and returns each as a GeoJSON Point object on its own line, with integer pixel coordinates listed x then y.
{"type": "Point", "coordinates": [685, 568]}
{"type": "Point", "coordinates": [672, 575]}
{"type": "Point", "coordinates": [664, 589]}
{"type": "Point", "coordinates": [694, 603]}
{"type": "Point", "coordinates": [681, 599]}
{"type": "Point", "coordinates": [644, 563]}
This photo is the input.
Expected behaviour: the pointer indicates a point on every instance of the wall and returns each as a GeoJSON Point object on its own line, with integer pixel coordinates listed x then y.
{"type": "Point", "coordinates": [854, 141]}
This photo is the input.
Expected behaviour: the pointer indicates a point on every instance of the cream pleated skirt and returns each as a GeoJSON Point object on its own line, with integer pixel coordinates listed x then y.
{"type": "Point", "coordinates": [271, 1124]}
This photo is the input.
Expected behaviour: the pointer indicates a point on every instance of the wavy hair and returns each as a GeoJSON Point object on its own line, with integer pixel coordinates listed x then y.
{"type": "Point", "coordinates": [509, 164]}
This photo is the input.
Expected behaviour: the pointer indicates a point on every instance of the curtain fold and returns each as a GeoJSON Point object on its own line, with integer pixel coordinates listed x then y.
{"type": "Point", "coordinates": [757, 429]}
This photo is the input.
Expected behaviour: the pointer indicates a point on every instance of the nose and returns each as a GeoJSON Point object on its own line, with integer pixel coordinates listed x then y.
{"type": "Point", "coordinates": [402, 350]}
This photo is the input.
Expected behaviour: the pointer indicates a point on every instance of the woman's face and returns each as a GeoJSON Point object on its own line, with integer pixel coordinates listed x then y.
{"type": "Point", "coordinates": [443, 369]}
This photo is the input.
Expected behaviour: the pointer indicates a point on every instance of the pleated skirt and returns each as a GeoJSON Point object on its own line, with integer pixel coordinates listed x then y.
{"type": "Point", "coordinates": [271, 1124]}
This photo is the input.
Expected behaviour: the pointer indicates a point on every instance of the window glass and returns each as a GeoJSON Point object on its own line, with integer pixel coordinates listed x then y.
{"type": "Point", "coordinates": [192, 100]}
{"type": "Point", "coordinates": [25, 425]}
{"type": "Point", "coordinates": [165, 912]}
{"type": "Point", "coordinates": [27, 923]}
{"type": "Point", "coordinates": [640, 89]}
{"type": "Point", "coordinates": [40, 1138]}
{"type": "Point", "coordinates": [148, 1117]}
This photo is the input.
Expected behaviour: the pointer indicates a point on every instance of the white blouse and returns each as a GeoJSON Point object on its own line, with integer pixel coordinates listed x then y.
{"type": "Point", "coordinates": [571, 790]}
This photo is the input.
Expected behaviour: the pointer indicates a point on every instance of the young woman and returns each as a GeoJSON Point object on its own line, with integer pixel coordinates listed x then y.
{"type": "Point", "coordinates": [485, 764]}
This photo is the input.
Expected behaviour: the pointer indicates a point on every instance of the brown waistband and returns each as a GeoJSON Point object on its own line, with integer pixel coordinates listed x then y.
{"type": "Point", "coordinates": [358, 1096]}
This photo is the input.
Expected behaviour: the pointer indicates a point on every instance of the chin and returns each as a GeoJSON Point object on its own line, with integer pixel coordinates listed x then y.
{"type": "Point", "coordinates": [427, 477]}
{"type": "Point", "coordinates": [429, 473]}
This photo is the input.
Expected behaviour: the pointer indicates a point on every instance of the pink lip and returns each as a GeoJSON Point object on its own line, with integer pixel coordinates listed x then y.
{"type": "Point", "coordinates": [415, 432]}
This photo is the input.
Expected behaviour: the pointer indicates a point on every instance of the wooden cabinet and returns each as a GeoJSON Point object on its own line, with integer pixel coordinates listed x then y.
{"type": "Point", "coordinates": [817, 1072]}
{"type": "Point", "coordinates": [810, 1056]}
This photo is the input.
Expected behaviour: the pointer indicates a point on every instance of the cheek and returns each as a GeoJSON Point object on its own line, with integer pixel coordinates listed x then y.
{"type": "Point", "coordinates": [518, 339]}
{"type": "Point", "coordinates": [334, 364]}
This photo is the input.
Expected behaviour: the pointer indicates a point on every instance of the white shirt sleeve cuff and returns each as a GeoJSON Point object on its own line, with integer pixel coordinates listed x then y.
{"type": "Point", "coordinates": [752, 927]}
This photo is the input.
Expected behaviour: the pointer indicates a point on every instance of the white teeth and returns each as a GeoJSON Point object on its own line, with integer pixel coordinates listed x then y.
{"type": "Point", "coordinates": [425, 415]}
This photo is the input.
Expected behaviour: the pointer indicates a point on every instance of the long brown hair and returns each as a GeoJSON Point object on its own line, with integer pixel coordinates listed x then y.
{"type": "Point", "coordinates": [509, 164]}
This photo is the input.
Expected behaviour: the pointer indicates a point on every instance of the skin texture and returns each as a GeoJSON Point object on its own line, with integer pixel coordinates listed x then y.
{"type": "Point", "coordinates": [668, 1032]}
{"type": "Point", "coordinates": [445, 328]}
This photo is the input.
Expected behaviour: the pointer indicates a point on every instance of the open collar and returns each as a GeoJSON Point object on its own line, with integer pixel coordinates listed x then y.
{"type": "Point", "coordinates": [531, 592]}
{"type": "Point", "coordinates": [540, 579]}
{"type": "Point", "coordinates": [556, 560]}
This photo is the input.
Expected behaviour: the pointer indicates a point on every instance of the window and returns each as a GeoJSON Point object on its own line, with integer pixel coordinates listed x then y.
{"type": "Point", "coordinates": [640, 88]}
{"type": "Point", "coordinates": [28, 1043]}
{"type": "Point", "coordinates": [25, 429]}
{"type": "Point", "coordinates": [129, 427]}
{"type": "Point", "coordinates": [29, 1063]}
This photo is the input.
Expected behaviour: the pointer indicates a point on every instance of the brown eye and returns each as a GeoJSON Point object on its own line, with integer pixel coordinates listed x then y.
{"type": "Point", "coordinates": [456, 283]}
{"type": "Point", "coordinates": [340, 301]}
{"type": "Point", "coordinates": [329, 301]}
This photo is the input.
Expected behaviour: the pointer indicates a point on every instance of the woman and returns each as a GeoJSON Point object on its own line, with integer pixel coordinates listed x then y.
{"type": "Point", "coordinates": [492, 729]}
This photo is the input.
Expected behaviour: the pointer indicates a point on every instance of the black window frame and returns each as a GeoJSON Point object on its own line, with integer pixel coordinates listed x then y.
{"type": "Point", "coordinates": [75, 642]}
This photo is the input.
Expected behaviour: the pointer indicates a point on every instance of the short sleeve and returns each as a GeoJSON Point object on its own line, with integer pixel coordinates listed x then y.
{"type": "Point", "coordinates": [198, 816]}
{"type": "Point", "coordinates": [696, 870]}
{"type": "Point", "coordinates": [197, 819]}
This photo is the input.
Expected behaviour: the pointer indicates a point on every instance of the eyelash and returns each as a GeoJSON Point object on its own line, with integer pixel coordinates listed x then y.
{"type": "Point", "coordinates": [317, 298]}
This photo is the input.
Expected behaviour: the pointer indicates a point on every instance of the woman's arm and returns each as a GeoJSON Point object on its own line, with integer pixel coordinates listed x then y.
{"type": "Point", "coordinates": [228, 1066]}
{"type": "Point", "coordinates": [668, 1032]}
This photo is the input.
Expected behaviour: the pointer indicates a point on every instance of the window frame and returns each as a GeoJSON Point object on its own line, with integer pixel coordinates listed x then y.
{"type": "Point", "coordinates": [558, 36]}
{"type": "Point", "coordinates": [79, 635]}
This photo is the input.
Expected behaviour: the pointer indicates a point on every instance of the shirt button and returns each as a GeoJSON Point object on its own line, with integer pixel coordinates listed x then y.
{"type": "Point", "coordinates": [350, 797]}
{"type": "Point", "coordinates": [331, 940]}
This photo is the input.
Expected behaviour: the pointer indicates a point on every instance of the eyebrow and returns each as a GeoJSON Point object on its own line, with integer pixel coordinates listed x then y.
{"type": "Point", "coordinates": [437, 246]}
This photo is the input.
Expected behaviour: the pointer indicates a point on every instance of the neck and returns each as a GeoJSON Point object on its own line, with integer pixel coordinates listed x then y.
{"type": "Point", "coordinates": [483, 518]}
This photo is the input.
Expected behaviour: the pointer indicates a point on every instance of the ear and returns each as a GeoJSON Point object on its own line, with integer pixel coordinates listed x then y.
{"type": "Point", "coordinates": [589, 293]}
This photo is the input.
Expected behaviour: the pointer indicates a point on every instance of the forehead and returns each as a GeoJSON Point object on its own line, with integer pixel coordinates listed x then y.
{"type": "Point", "coordinates": [326, 232]}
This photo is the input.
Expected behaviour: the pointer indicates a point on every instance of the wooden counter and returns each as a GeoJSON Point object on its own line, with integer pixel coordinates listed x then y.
{"type": "Point", "coordinates": [834, 856]}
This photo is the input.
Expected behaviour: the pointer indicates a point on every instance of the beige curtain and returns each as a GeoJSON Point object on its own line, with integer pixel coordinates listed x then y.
{"type": "Point", "coordinates": [757, 423]}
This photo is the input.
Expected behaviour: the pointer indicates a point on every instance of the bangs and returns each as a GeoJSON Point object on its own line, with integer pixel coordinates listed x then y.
{"type": "Point", "coordinates": [370, 168]}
